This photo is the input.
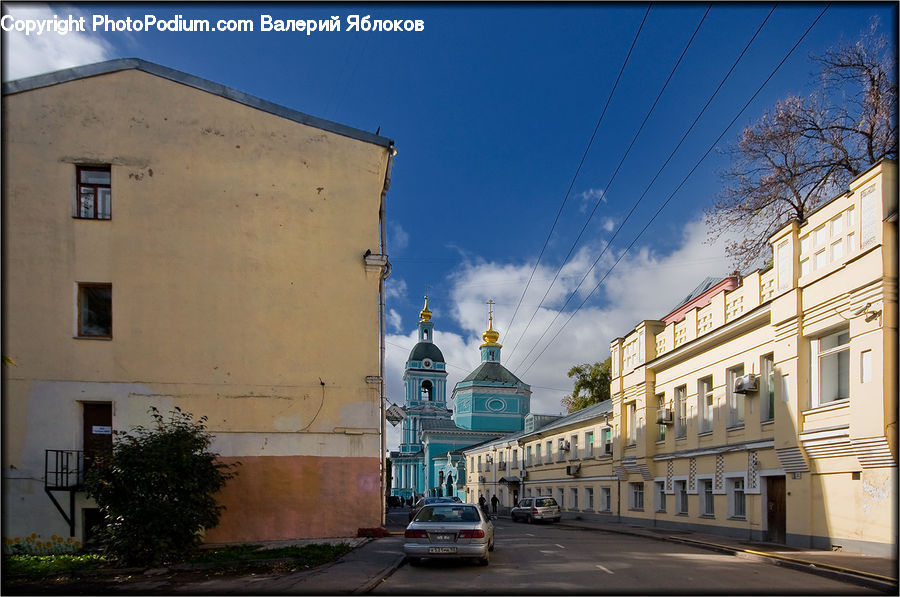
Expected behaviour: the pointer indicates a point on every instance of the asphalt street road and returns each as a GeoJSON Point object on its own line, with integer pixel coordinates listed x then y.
{"type": "Point", "coordinates": [552, 559]}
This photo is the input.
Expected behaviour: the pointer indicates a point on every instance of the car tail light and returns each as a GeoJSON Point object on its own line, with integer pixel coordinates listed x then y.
{"type": "Point", "coordinates": [473, 534]}
{"type": "Point", "coordinates": [415, 534]}
{"type": "Point", "coordinates": [534, 510]}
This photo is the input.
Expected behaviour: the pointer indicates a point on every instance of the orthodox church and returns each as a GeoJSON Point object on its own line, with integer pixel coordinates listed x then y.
{"type": "Point", "coordinates": [490, 402]}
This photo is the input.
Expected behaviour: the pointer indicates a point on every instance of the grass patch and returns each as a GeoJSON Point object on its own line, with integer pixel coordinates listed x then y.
{"type": "Point", "coordinates": [39, 567]}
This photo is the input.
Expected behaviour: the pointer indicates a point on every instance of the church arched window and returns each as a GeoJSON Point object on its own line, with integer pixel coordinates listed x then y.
{"type": "Point", "coordinates": [425, 334]}
{"type": "Point", "coordinates": [426, 391]}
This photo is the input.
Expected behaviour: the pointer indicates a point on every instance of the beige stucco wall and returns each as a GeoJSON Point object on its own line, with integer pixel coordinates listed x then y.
{"type": "Point", "coordinates": [235, 254]}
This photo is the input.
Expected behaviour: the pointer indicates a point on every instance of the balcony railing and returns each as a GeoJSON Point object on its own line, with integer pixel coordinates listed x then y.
{"type": "Point", "coordinates": [63, 469]}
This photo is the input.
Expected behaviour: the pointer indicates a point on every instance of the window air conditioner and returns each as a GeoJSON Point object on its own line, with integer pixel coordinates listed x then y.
{"type": "Point", "coordinates": [665, 416]}
{"type": "Point", "coordinates": [573, 469]}
{"type": "Point", "coordinates": [563, 445]}
{"type": "Point", "coordinates": [746, 383]}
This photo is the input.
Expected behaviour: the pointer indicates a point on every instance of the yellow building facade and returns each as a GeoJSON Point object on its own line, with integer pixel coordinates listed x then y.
{"type": "Point", "coordinates": [171, 242]}
{"type": "Point", "coordinates": [764, 407]}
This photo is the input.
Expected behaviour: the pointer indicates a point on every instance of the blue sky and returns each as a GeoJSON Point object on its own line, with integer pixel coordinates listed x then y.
{"type": "Point", "coordinates": [492, 107]}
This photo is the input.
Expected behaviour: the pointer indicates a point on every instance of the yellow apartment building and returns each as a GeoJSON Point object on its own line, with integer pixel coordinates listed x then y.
{"type": "Point", "coordinates": [171, 242]}
{"type": "Point", "coordinates": [762, 407]}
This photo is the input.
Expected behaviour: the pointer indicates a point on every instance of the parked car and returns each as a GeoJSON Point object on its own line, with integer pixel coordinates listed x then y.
{"type": "Point", "coordinates": [449, 530]}
{"type": "Point", "coordinates": [424, 501]}
{"type": "Point", "coordinates": [532, 509]}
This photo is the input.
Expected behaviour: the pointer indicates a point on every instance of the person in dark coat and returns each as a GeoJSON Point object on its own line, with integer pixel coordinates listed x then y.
{"type": "Point", "coordinates": [494, 502]}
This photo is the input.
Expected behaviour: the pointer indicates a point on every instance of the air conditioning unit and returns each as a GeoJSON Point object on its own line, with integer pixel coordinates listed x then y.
{"type": "Point", "coordinates": [563, 445]}
{"type": "Point", "coordinates": [746, 383]}
{"type": "Point", "coordinates": [573, 469]}
{"type": "Point", "coordinates": [523, 474]}
{"type": "Point", "coordinates": [665, 416]}
{"type": "Point", "coordinates": [607, 448]}
{"type": "Point", "coordinates": [489, 459]}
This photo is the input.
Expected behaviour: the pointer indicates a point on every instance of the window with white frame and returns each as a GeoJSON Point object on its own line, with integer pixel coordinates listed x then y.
{"type": "Point", "coordinates": [767, 387]}
{"type": "Point", "coordinates": [606, 435]}
{"type": "Point", "coordinates": [681, 497]}
{"type": "Point", "coordinates": [606, 499]}
{"type": "Point", "coordinates": [707, 499]}
{"type": "Point", "coordinates": [636, 496]}
{"type": "Point", "coordinates": [830, 367]}
{"type": "Point", "coordinates": [819, 236]}
{"type": "Point", "coordinates": [805, 267]}
{"type": "Point", "coordinates": [573, 498]}
{"type": "Point", "coordinates": [560, 497]}
{"type": "Point", "coordinates": [735, 399]}
{"type": "Point", "coordinates": [573, 447]}
{"type": "Point", "coordinates": [528, 461]}
{"type": "Point", "coordinates": [837, 250]}
{"type": "Point", "coordinates": [589, 498]}
{"type": "Point", "coordinates": [819, 259]}
{"type": "Point", "coordinates": [631, 423]}
{"type": "Point", "coordinates": [549, 451]}
{"type": "Point", "coordinates": [837, 227]}
{"type": "Point", "coordinates": [705, 400]}
{"type": "Point", "coordinates": [537, 453]}
{"type": "Point", "coordinates": [515, 458]}
{"type": "Point", "coordinates": [479, 463]}
{"type": "Point", "coordinates": [588, 444]}
{"type": "Point", "coordinates": [737, 506]}
{"type": "Point", "coordinates": [681, 411]}
{"type": "Point", "coordinates": [660, 407]}
{"type": "Point", "coordinates": [660, 496]}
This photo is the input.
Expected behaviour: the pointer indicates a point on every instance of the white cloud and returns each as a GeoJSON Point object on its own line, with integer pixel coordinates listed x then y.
{"type": "Point", "coordinates": [644, 285]}
{"type": "Point", "coordinates": [399, 238]}
{"type": "Point", "coordinates": [27, 55]}
{"type": "Point", "coordinates": [608, 224]}
{"type": "Point", "coordinates": [395, 320]}
{"type": "Point", "coordinates": [590, 197]}
{"type": "Point", "coordinates": [395, 288]}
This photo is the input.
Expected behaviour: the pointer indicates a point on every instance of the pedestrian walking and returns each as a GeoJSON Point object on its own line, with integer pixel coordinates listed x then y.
{"type": "Point", "coordinates": [494, 502]}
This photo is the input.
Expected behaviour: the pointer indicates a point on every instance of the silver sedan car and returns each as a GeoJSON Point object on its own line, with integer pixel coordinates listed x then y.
{"type": "Point", "coordinates": [449, 531]}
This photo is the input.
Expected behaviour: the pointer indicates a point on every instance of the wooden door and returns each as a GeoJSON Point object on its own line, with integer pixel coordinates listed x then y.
{"type": "Point", "coordinates": [97, 430]}
{"type": "Point", "coordinates": [776, 511]}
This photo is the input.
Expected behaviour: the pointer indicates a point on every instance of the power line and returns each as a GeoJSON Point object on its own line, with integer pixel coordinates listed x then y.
{"type": "Point", "coordinates": [580, 164]}
{"type": "Point", "coordinates": [683, 181]}
{"type": "Point", "coordinates": [613, 177]}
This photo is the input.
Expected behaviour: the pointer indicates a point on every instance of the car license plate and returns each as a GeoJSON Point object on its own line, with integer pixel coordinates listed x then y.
{"type": "Point", "coordinates": [443, 537]}
{"type": "Point", "coordinates": [441, 550]}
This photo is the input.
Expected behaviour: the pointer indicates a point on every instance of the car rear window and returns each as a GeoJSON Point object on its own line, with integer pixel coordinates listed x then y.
{"type": "Point", "coordinates": [448, 513]}
{"type": "Point", "coordinates": [545, 502]}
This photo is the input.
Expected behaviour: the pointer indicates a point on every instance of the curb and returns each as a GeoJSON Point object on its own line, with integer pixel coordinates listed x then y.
{"type": "Point", "coordinates": [380, 577]}
{"type": "Point", "coordinates": [859, 577]}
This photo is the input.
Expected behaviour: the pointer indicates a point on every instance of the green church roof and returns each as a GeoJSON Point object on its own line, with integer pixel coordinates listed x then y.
{"type": "Point", "coordinates": [493, 371]}
{"type": "Point", "coordinates": [426, 350]}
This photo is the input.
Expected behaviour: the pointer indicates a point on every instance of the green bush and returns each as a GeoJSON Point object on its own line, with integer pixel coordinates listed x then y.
{"type": "Point", "coordinates": [156, 490]}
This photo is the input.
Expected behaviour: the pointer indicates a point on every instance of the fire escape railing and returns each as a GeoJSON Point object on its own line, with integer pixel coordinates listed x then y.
{"type": "Point", "coordinates": [64, 471]}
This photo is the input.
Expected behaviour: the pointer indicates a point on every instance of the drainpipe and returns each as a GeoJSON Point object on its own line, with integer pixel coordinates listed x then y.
{"type": "Point", "coordinates": [392, 151]}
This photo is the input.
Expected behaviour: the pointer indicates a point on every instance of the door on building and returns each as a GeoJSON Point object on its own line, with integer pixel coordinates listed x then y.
{"type": "Point", "coordinates": [776, 511]}
{"type": "Point", "coordinates": [97, 430]}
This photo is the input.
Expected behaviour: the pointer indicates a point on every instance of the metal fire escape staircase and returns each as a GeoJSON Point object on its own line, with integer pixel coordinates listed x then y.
{"type": "Point", "coordinates": [64, 472]}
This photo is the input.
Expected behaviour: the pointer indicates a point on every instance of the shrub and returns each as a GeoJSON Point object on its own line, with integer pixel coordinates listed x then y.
{"type": "Point", "coordinates": [156, 490]}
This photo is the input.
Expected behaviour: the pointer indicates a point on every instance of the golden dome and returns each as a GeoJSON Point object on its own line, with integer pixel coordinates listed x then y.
{"type": "Point", "coordinates": [425, 314]}
{"type": "Point", "coordinates": [490, 335]}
